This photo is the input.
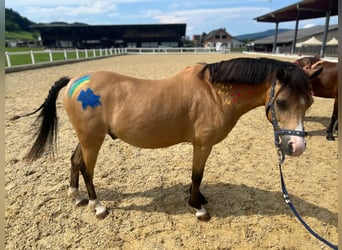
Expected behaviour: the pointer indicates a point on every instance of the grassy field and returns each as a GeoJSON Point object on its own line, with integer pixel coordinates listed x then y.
{"type": "Point", "coordinates": [21, 35]}
{"type": "Point", "coordinates": [41, 56]}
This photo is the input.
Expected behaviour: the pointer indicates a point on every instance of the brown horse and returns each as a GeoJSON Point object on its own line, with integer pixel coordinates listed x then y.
{"type": "Point", "coordinates": [200, 105]}
{"type": "Point", "coordinates": [324, 85]}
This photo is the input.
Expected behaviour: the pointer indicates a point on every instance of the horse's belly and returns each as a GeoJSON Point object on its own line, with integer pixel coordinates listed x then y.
{"type": "Point", "coordinates": [147, 132]}
{"type": "Point", "coordinates": [150, 139]}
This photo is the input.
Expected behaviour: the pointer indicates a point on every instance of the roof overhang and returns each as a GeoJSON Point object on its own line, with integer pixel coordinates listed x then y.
{"type": "Point", "coordinates": [306, 9]}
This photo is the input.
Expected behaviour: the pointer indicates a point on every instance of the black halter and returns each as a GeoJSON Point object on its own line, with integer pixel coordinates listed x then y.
{"type": "Point", "coordinates": [277, 130]}
{"type": "Point", "coordinates": [277, 133]}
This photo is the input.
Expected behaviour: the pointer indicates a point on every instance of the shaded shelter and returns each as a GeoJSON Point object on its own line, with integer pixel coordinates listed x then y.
{"type": "Point", "coordinates": [311, 41]}
{"type": "Point", "coordinates": [105, 36]}
{"type": "Point", "coordinates": [332, 42]}
{"type": "Point", "coordinates": [306, 9]}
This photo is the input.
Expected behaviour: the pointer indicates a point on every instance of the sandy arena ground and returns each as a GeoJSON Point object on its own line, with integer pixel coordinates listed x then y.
{"type": "Point", "coordinates": [146, 191]}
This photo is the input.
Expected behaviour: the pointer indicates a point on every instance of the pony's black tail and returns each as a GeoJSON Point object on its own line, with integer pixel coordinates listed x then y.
{"type": "Point", "coordinates": [47, 122]}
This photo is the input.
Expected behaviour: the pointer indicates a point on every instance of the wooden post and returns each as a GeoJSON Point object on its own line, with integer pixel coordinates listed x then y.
{"type": "Point", "coordinates": [50, 55]}
{"type": "Point", "coordinates": [65, 55]}
{"type": "Point", "coordinates": [32, 57]}
{"type": "Point", "coordinates": [8, 59]}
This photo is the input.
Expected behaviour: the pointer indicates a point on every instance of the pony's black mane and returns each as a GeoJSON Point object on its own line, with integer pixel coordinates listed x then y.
{"type": "Point", "coordinates": [258, 70]}
{"type": "Point", "coordinates": [244, 70]}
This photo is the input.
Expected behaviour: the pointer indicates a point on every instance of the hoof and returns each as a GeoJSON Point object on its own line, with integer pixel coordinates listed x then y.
{"type": "Point", "coordinates": [330, 138]}
{"type": "Point", "coordinates": [204, 218]}
{"type": "Point", "coordinates": [82, 203]}
{"type": "Point", "coordinates": [101, 212]}
{"type": "Point", "coordinates": [102, 215]}
{"type": "Point", "coordinates": [202, 214]}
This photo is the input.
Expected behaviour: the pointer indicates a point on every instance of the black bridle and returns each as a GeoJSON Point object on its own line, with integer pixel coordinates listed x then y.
{"type": "Point", "coordinates": [277, 130]}
{"type": "Point", "coordinates": [277, 133]}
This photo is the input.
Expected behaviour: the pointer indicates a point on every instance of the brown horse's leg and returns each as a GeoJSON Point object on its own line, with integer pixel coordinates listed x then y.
{"type": "Point", "coordinates": [334, 117]}
{"type": "Point", "coordinates": [76, 164]}
{"type": "Point", "coordinates": [90, 148]}
{"type": "Point", "coordinates": [200, 156]}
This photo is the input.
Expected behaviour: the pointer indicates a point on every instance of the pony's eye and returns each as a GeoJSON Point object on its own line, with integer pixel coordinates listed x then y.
{"type": "Point", "coordinates": [281, 104]}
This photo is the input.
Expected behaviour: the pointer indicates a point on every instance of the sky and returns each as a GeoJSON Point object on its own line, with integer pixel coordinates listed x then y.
{"type": "Point", "coordinates": [236, 16]}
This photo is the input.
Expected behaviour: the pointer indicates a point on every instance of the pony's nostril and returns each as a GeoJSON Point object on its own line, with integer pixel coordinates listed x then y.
{"type": "Point", "coordinates": [290, 145]}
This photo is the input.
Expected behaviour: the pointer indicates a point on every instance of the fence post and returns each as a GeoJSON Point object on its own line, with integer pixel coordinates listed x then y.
{"type": "Point", "coordinates": [8, 59]}
{"type": "Point", "coordinates": [77, 55]}
{"type": "Point", "coordinates": [65, 55]}
{"type": "Point", "coordinates": [32, 57]}
{"type": "Point", "coordinates": [50, 55]}
{"type": "Point", "coordinates": [94, 53]}
{"type": "Point", "coordinates": [86, 53]}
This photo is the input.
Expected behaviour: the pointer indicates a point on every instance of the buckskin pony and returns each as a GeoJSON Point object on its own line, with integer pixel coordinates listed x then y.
{"type": "Point", "coordinates": [200, 105]}
{"type": "Point", "coordinates": [324, 85]}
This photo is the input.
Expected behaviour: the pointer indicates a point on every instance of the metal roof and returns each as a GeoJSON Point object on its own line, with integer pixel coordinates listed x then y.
{"type": "Point", "coordinates": [306, 9]}
{"type": "Point", "coordinates": [84, 25]}
{"type": "Point", "coordinates": [287, 36]}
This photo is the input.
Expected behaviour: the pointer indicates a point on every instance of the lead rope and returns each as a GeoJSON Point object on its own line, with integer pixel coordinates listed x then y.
{"type": "Point", "coordinates": [277, 132]}
{"type": "Point", "coordinates": [288, 201]}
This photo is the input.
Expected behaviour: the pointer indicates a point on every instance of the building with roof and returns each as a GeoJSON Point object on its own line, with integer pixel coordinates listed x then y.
{"type": "Point", "coordinates": [107, 36]}
{"type": "Point", "coordinates": [285, 41]}
{"type": "Point", "coordinates": [219, 39]}
{"type": "Point", "coordinates": [305, 9]}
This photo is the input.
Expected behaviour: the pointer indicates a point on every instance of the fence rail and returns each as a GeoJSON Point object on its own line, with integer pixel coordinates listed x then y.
{"type": "Point", "coordinates": [49, 56]}
{"type": "Point", "coordinates": [179, 50]}
{"type": "Point", "coordinates": [36, 58]}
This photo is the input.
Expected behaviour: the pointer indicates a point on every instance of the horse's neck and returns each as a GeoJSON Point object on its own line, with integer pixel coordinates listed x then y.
{"type": "Point", "coordinates": [241, 97]}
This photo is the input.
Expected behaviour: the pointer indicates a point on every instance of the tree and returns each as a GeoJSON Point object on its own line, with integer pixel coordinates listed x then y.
{"type": "Point", "coordinates": [15, 22]}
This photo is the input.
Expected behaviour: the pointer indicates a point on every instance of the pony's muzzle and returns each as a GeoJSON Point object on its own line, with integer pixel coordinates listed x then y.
{"type": "Point", "coordinates": [292, 145]}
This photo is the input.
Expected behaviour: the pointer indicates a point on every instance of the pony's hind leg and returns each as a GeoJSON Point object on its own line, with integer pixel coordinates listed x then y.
{"type": "Point", "coordinates": [76, 164]}
{"type": "Point", "coordinates": [83, 160]}
{"type": "Point", "coordinates": [90, 149]}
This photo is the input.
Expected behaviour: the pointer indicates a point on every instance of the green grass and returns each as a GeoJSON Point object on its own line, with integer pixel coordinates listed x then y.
{"type": "Point", "coordinates": [23, 49]}
{"type": "Point", "coordinates": [21, 35]}
{"type": "Point", "coordinates": [17, 60]}
{"type": "Point", "coordinates": [24, 59]}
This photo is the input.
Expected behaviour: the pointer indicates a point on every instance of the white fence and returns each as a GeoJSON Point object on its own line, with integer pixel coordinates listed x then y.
{"type": "Point", "coordinates": [47, 57]}
{"type": "Point", "coordinates": [179, 50]}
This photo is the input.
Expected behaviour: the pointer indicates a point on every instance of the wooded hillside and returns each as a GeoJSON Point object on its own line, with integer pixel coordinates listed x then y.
{"type": "Point", "coordinates": [15, 22]}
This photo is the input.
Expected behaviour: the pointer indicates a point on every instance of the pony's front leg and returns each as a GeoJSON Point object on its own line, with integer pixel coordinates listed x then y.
{"type": "Point", "coordinates": [197, 200]}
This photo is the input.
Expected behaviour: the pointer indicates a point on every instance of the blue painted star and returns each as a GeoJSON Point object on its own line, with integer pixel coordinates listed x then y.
{"type": "Point", "coordinates": [88, 98]}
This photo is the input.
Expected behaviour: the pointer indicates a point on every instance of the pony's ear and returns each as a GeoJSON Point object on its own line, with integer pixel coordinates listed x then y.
{"type": "Point", "coordinates": [314, 73]}
{"type": "Point", "coordinates": [282, 75]}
